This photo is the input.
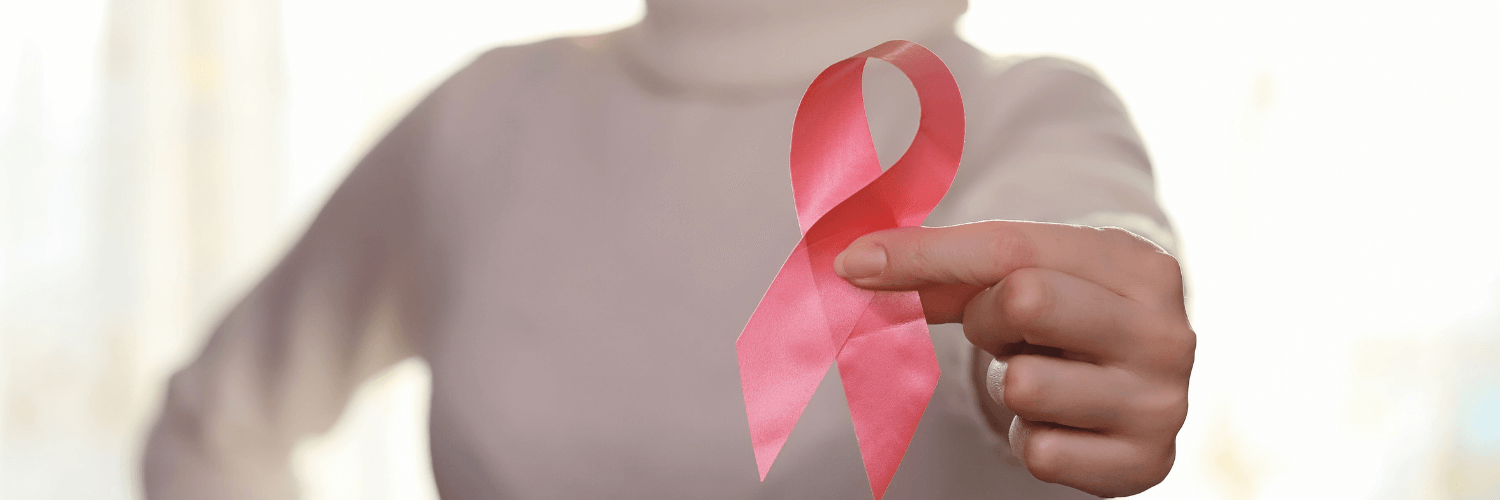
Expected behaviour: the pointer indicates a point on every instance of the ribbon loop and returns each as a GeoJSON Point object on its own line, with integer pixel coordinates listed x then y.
{"type": "Point", "coordinates": [810, 317]}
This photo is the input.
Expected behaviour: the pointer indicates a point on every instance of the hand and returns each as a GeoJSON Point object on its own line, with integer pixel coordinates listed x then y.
{"type": "Point", "coordinates": [1089, 322]}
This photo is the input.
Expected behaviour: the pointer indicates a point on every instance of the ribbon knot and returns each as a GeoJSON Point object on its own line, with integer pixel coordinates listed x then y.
{"type": "Point", "coordinates": [810, 317]}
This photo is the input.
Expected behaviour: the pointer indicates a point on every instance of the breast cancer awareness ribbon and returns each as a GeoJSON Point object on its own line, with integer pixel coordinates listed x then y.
{"type": "Point", "coordinates": [810, 317]}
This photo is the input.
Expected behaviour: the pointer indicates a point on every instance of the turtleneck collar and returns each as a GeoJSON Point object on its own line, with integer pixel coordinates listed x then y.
{"type": "Point", "coordinates": [754, 46]}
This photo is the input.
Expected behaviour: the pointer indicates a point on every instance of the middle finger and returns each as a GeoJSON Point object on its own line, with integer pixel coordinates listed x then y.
{"type": "Point", "coordinates": [1053, 309]}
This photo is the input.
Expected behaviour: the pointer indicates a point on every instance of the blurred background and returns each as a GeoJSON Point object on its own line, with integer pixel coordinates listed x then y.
{"type": "Point", "coordinates": [1332, 167]}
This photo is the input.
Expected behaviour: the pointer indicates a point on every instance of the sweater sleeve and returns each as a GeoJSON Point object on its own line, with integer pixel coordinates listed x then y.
{"type": "Point", "coordinates": [1052, 143]}
{"type": "Point", "coordinates": [283, 363]}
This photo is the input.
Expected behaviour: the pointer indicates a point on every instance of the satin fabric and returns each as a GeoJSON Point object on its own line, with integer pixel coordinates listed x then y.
{"type": "Point", "coordinates": [809, 317]}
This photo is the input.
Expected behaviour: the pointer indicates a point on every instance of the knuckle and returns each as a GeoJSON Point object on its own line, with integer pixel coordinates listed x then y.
{"type": "Point", "coordinates": [1024, 297]}
{"type": "Point", "coordinates": [1147, 468]}
{"type": "Point", "coordinates": [1119, 241]}
{"type": "Point", "coordinates": [1124, 238]}
{"type": "Point", "coordinates": [983, 329]}
{"type": "Point", "coordinates": [976, 332]}
{"type": "Point", "coordinates": [1005, 249]}
{"type": "Point", "coordinates": [979, 334]}
{"type": "Point", "coordinates": [1138, 246]}
{"type": "Point", "coordinates": [1172, 348]}
{"type": "Point", "coordinates": [1163, 412]}
{"type": "Point", "coordinates": [1184, 345]}
{"type": "Point", "coordinates": [1118, 234]}
{"type": "Point", "coordinates": [922, 257]}
{"type": "Point", "coordinates": [1152, 266]}
{"type": "Point", "coordinates": [1162, 265]}
{"type": "Point", "coordinates": [1044, 457]}
{"type": "Point", "coordinates": [1157, 464]}
{"type": "Point", "coordinates": [1023, 389]}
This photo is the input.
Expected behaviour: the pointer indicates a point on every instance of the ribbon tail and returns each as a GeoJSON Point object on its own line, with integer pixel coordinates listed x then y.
{"type": "Point", "coordinates": [889, 371]}
{"type": "Point", "coordinates": [784, 351]}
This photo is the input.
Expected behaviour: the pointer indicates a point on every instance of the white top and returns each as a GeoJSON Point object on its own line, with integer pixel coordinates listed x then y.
{"type": "Point", "coordinates": [572, 237]}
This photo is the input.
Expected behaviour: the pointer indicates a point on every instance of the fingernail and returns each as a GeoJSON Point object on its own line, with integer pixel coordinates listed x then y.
{"type": "Point", "coordinates": [994, 380]}
{"type": "Point", "coordinates": [866, 260]}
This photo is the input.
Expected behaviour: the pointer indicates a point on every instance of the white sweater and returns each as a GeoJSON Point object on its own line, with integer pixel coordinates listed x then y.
{"type": "Point", "coordinates": [573, 235]}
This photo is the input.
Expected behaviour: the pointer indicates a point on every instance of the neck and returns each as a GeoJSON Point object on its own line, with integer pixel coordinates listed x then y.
{"type": "Point", "coordinates": [773, 44]}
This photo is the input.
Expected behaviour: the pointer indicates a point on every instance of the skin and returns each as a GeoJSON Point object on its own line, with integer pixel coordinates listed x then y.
{"type": "Point", "coordinates": [1090, 323]}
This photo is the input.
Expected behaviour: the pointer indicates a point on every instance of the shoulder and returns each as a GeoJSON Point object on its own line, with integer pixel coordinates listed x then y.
{"type": "Point", "coordinates": [488, 100]}
{"type": "Point", "coordinates": [506, 72]}
{"type": "Point", "coordinates": [1045, 88]}
{"type": "Point", "coordinates": [503, 89]}
{"type": "Point", "coordinates": [1039, 68]}
{"type": "Point", "coordinates": [1046, 105]}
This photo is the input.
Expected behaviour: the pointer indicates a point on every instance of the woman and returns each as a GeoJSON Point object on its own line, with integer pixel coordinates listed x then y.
{"type": "Point", "coordinates": [572, 234]}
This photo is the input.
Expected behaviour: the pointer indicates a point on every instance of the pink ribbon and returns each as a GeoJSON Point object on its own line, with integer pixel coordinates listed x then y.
{"type": "Point", "coordinates": [810, 316]}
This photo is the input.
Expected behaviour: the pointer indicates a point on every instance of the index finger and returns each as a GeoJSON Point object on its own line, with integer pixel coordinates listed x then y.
{"type": "Point", "coordinates": [983, 253]}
